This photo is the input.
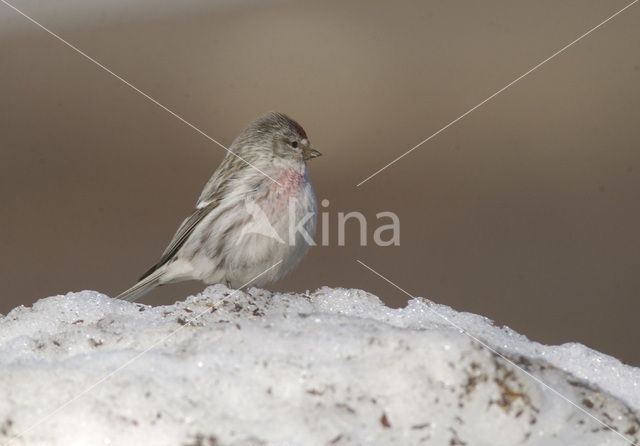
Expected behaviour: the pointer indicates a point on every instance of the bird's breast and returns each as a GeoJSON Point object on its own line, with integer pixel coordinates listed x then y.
{"type": "Point", "coordinates": [288, 184]}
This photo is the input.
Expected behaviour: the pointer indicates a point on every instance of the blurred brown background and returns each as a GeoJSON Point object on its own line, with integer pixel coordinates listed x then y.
{"type": "Point", "coordinates": [526, 211]}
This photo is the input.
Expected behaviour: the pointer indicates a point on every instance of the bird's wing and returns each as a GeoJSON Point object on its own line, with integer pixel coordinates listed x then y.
{"type": "Point", "coordinates": [216, 188]}
{"type": "Point", "coordinates": [229, 168]}
{"type": "Point", "coordinates": [181, 235]}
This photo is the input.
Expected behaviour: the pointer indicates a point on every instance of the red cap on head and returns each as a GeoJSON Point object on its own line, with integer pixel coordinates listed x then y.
{"type": "Point", "coordinates": [300, 130]}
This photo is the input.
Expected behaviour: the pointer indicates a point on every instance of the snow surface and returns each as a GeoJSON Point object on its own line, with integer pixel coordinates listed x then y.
{"type": "Point", "coordinates": [331, 367]}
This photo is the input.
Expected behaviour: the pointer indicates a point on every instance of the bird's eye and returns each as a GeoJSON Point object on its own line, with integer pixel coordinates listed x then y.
{"type": "Point", "coordinates": [294, 144]}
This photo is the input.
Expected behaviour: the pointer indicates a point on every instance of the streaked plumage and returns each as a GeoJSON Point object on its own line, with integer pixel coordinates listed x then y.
{"type": "Point", "coordinates": [241, 224]}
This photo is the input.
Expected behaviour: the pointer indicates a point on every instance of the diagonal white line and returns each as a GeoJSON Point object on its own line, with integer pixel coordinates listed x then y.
{"type": "Point", "coordinates": [494, 94]}
{"type": "Point", "coordinates": [127, 363]}
{"type": "Point", "coordinates": [491, 349]}
{"type": "Point", "coordinates": [124, 81]}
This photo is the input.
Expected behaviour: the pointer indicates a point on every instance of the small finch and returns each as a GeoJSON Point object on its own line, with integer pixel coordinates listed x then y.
{"type": "Point", "coordinates": [255, 218]}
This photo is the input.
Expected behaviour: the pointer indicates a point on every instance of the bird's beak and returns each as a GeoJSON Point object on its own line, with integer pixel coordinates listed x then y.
{"type": "Point", "coordinates": [309, 152]}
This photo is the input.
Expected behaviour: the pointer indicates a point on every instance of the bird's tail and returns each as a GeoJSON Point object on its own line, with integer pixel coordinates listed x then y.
{"type": "Point", "coordinates": [142, 287]}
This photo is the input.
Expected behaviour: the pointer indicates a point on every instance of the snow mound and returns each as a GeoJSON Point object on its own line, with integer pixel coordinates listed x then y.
{"type": "Point", "coordinates": [331, 367]}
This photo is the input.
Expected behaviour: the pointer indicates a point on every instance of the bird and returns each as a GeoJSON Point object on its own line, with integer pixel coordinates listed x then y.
{"type": "Point", "coordinates": [255, 218]}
